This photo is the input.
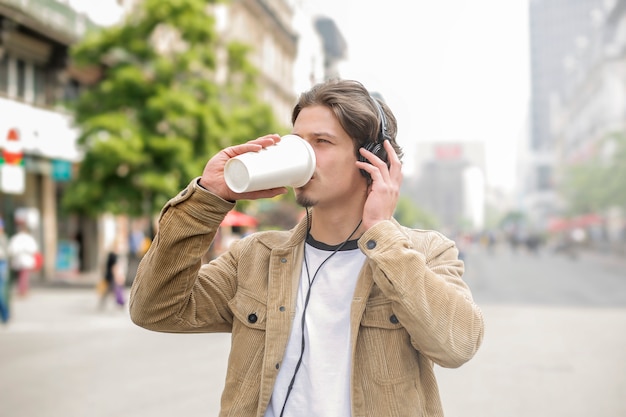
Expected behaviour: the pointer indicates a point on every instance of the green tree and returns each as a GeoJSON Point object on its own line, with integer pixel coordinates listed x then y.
{"type": "Point", "coordinates": [158, 113]}
{"type": "Point", "coordinates": [513, 219]}
{"type": "Point", "coordinates": [410, 215]}
{"type": "Point", "coordinates": [615, 171]}
{"type": "Point", "coordinates": [599, 182]}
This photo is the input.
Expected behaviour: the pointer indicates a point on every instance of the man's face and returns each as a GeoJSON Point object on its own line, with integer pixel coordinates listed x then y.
{"type": "Point", "coordinates": [336, 180]}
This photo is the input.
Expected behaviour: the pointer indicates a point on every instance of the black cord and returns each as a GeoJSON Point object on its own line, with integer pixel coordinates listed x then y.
{"type": "Point", "coordinates": [306, 301]}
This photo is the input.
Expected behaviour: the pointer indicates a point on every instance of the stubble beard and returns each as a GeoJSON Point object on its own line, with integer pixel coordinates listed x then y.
{"type": "Point", "coordinates": [305, 201]}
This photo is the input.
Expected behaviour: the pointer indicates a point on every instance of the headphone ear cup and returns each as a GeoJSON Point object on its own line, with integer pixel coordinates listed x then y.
{"type": "Point", "coordinates": [372, 147]}
{"type": "Point", "coordinates": [377, 149]}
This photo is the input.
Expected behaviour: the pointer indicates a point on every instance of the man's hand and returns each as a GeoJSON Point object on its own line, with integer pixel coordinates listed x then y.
{"type": "Point", "coordinates": [384, 191]}
{"type": "Point", "coordinates": [213, 174]}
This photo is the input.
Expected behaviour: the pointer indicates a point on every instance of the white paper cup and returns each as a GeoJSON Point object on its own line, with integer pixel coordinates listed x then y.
{"type": "Point", "coordinates": [288, 163]}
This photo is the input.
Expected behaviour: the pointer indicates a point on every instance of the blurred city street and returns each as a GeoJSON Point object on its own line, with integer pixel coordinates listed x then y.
{"type": "Point", "coordinates": [509, 119]}
{"type": "Point", "coordinates": [554, 346]}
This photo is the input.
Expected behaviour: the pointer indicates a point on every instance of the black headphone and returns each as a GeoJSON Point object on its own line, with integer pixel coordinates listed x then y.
{"type": "Point", "coordinates": [376, 147]}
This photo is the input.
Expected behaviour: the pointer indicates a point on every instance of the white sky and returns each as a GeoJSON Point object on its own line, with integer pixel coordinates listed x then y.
{"type": "Point", "coordinates": [451, 70]}
{"type": "Point", "coordinates": [103, 12]}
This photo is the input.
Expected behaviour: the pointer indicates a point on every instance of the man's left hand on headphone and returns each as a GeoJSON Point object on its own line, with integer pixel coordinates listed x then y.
{"type": "Point", "coordinates": [384, 191]}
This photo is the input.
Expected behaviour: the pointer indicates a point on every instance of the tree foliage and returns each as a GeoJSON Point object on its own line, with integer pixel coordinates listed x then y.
{"type": "Point", "coordinates": [599, 182]}
{"type": "Point", "coordinates": [159, 112]}
{"type": "Point", "coordinates": [409, 214]}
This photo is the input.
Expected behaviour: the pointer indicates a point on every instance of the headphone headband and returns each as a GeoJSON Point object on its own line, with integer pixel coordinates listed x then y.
{"type": "Point", "coordinates": [376, 147]}
{"type": "Point", "coordinates": [382, 133]}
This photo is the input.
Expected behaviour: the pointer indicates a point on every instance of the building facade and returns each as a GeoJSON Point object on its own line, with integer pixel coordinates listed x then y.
{"type": "Point", "coordinates": [36, 132]}
{"type": "Point", "coordinates": [557, 29]}
{"type": "Point", "coordinates": [450, 184]}
{"type": "Point", "coordinates": [267, 27]}
{"type": "Point", "coordinates": [593, 108]}
{"type": "Point", "coordinates": [37, 79]}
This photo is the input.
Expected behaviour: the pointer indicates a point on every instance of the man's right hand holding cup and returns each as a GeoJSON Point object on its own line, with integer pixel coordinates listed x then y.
{"type": "Point", "coordinates": [213, 175]}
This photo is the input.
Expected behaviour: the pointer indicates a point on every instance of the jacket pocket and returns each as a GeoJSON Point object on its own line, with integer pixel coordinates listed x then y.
{"type": "Point", "coordinates": [379, 314]}
{"type": "Point", "coordinates": [248, 309]}
{"type": "Point", "coordinates": [248, 337]}
{"type": "Point", "coordinates": [388, 356]}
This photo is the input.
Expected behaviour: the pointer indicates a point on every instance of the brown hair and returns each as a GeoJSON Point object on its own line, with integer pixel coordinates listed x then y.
{"type": "Point", "coordinates": [355, 110]}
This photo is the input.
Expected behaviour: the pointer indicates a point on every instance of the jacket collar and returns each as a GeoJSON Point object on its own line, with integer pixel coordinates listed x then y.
{"type": "Point", "coordinates": [284, 239]}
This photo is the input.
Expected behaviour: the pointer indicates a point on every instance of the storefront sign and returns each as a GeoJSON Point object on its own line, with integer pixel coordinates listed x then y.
{"type": "Point", "coordinates": [61, 170]}
{"type": "Point", "coordinates": [12, 175]}
{"type": "Point", "coordinates": [12, 179]}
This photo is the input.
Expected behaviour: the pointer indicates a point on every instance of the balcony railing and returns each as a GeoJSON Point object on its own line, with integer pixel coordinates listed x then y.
{"type": "Point", "coordinates": [57, 17]}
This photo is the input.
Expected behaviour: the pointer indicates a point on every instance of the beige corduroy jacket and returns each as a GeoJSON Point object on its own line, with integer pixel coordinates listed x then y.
{"type": "Point", "coordinates": [411, 308]}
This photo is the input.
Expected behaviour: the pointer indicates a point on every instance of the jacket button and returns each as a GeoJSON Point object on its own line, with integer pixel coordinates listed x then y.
{"type": "Point", "coordinates": [283, 260]}
{"type": "Point", "coordinates": [182, 193]}
{"type": "Point", "coordinates": [282, 308]}
{"type": "Point", "coordinates": [371, 244]}
{"type": "Point", "coordinates": [393, 319]}
{"type": "Point", "coordinates": [252, 318]}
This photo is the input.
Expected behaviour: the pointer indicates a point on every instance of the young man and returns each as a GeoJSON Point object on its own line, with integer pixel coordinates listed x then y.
{"type": "Point", "coordinates": [344, 315]}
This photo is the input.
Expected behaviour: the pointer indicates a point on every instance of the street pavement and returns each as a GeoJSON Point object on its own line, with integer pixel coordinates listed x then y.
{"type": "Point", "coordinates": [63, 357]}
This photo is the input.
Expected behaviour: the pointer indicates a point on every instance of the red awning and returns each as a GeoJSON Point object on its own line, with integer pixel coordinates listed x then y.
{"type": "Point", "coordinates": [587, 220]}
{"type": "Point", "coordinates": [236, 218]}
{"type": "Point", "coordinates": [558, 224]}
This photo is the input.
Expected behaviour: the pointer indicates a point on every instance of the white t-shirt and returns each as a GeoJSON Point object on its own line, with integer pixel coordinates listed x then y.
{"type": "Point", "coordinates": [22, 249]}
{"type": "Point", "coordinates": [322, 383]}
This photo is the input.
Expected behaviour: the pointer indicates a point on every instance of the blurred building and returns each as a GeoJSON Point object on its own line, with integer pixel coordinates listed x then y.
{"type": "Point", "coordinates": [559, 30]}
{"type": "Point", "coordinates": [279, 49]}
{"type": "Point", "coordinates": [335, 47]}
{"type": "Point", "coordinates": [450, 183]}
{"type": "Point", "coordinates": [36, 133]}
{"type": "Point", "coordinates": [321, 47]}
{"type": "Point", "coordinates": [266, 26]}
{"type": "Point", "coordinates": [592, 104]}
{"type": "Point", "coordinates": [292, 47]}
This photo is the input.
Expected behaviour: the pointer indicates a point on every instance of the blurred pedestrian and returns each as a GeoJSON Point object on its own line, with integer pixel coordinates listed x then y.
{"type": "Point", "coordinates": [23, 253]}
{"type": "Point", "coordinates": [4, 274]}
{"type": "Point", "coordinates": [112, 284]}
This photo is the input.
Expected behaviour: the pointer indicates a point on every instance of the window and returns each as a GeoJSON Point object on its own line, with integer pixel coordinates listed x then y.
{"type": "Point", "coordinates": [39, 85]}
{"type": "Point", "coordinates": [4, 74]}
{"type": "Point", "coordinates": [24, 80]}
{"type": "Point", "coordinates": [21, 79]}
{"type": "Point", "coordinates": [71, 90]}
{"type": "Point", "coordinates": [544, 178]}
